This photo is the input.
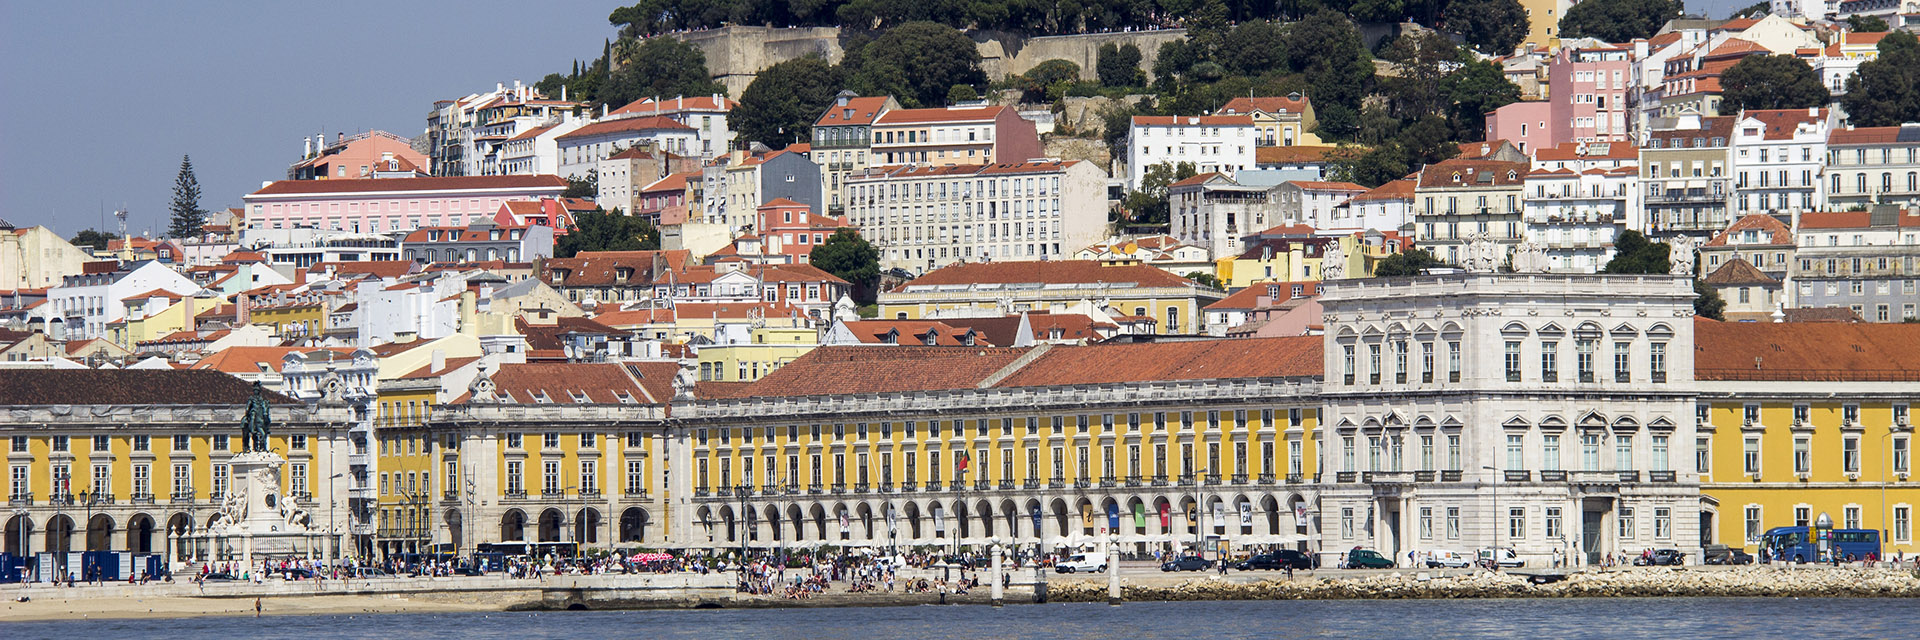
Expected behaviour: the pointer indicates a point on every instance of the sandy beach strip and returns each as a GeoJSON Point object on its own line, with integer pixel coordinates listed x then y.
{"type": "Point", "coordinates": [82, 608]}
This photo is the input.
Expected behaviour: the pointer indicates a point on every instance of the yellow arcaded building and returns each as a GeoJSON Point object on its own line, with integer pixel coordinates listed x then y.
{"type": "Point", "coordinates": [1801, 419]}
{"type": "Point", "coordinates": [1135, 293]}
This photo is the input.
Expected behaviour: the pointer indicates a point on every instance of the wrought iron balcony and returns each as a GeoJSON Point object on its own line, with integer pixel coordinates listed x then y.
{"type": "Point", "coordinates": [1517, 475]}
{"type": "Point", "coordinates": [143, 497]}
{"type": "Point", "coordinates": [1423, 476]}
{"type": "Point", "coordinates": [515, 494]}
{"type": "Point", "coordinates": [1629, 477]}
{"type": "Point", "coordinates": [862, 487]}
{"type": "Point", "coordinates": [181, 497]}
{"type": "Point", "coordinates": [1034, 483]}
{"type": "Point", "coordinates": [1160, 480]}
{"type": "Point", "coordinates": [1296, 478]}
{"type": "Point", "coordinates": [1450, 476]}
{"type": "Point", "coordinates": [1662, 476]}
{"type": "Point", "coordinates": [1134, 481]}
{"type": "Point", "coordinates": [816, 489]}
{"type": "Point", "coordinates": [1553, 476]}
{"type": "Point", "coordinates": [1083, 483]}
{"type": "Point", "coordinates": [1239, 478]}
{"type": "Point", "coordinates": [909, 486]}
{"type": "Point", "coordinates": [1346, 476]}
{"type": "Point", "coordinates": [839, 487]}
{"type": "Point", "coordinates": [1108, 482]}
{"type": "Point", "coordinates": [18, 500]}
{"type": "Point", "coordinates": [702, 493]}
{"type": "Point", "coordinates": [1006, 484]}
{"type": "Point", "coordinates": [1186, 480]}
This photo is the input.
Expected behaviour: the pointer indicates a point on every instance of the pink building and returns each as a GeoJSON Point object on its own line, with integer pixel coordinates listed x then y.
{"type": "Point", "coordinates": [377, 206]}
{"type": "Point", "coordinates": [1522, 123]}
{"type": "Point", "coordinates": [1589, 95]}
{"type": "Point", "coordinates": [370, 154]}
{"type": "Point", "coordinates": [790, 228]}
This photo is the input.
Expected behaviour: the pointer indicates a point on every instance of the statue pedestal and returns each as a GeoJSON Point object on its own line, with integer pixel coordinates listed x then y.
{"type": "Point", "coordinates": [254, 509]}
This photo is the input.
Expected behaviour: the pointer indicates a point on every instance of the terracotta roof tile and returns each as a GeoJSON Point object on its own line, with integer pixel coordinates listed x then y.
{"type": "Point", "coordinates": [1193, 121]}
{"type": "Point", "coordinates": [649, 123]}
{"type": "Point", "coordinates": [1048, 272]}
{"type": "Point", "coordinates": [24, 387]}
{"type": "Point", "coordinates": [939, 114]}
{"type": "Point", "coordinates": [845, 370]}
{"type": "Point", "coordinates": [1775, 230]}
{"type": "Point", "coordinates": [1739, 272]}
{"type": "Point", "coordinates": [1472, 173]}
{"type": "Point", "coordinates": [1806, 351]}
{"type": "Point", "coordinates": [863, 111]}
{"type": "Point", "coordinates": [1290, 357]}
{"type": "Point", "coordinates": [576, 383]}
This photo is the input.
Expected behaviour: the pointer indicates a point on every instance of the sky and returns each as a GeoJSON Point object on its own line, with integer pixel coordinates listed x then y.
{"type": "Point", "coordinates": [102, 98]}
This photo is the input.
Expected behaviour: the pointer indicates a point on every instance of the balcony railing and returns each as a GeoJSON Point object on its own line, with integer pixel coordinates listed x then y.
{"type": "Point", "coordinates": [515, 494]}
{"type": "Point", "coordinates": [1516, 475]}
{"type": "Point", "coordinates": [1006, 484]}
{"type": "Point", "coordinates": [1160, 480]}
{"type": "Point", "coordinates": [1186, 480]}
{"type": "Point", "coordinates": [1109, 482]}
{"type": "Point", "coordinates": [143, 497]}
{"type": "Point", "coordinates": [1629, 477]}
{"type": "Point", "coordinates": [862, 487]}
{"type": "Point", "coordinates": [1265, 478]}
{"type": "Point", "coordinates": [1662, 476]}
{"type": "Point", "coordinates": [1553, 476]}
{"type": "Point", "coordinates": [984, 484]}
{"type": "Point", "coordinates": [702, 493]}
{"type": "Point", "coordinates": [816, 489]}
{"type": "Point", "coordinates": [1296, 478]}
{"type": "Point", "coordinates": [1034, 483]}
{"type": "Point", "coordinates": [1239, 478]}
{"type": "Point", "coordinates": [1450, 476]}
{"type": "Point", "coordinates": [180, 497]}
{"type": "Point", "coordinates": [18, 500]}
{"type": "Point", "coordinates": [1135, 481]}
{"type": "Point", "coordinates": [1083, 484]}
{"type": "Point", "coordinates": [1346, 476]}
{"type": "Point", "coordinates": [839, 487]}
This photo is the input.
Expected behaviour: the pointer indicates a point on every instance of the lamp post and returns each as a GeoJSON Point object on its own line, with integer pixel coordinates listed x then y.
{"type": "Point", "coordinates": [1886, 519]}
{"type": "Point", "coordinates": [20, 516]}
{"type": "Point", "coordinates": [1494, 555]}
{"type": "Point", "coordinates": [333, 500]}
{"type": "Point", "coordinates": [743, 519]}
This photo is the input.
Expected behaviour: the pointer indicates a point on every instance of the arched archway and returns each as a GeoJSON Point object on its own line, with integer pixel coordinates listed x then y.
{"type": "Point", "coordinates": [727, 523]}
{"type": "Point", "coordinates": [100, 533]}
{"type": "Point", "coordinates": [181, 526]}
{"type": "Point", "coordinates": [59, 534]}
{"type": "Point", "coordinates": [911, 511]}
{"type": "Point", "coordinates": [960, 519]}
{"type": "Point", "coordinates": [986, 519]}
{"type": "Point", "coordinates": [19, 535]}
{"type": "Point", "coordinates": [864, 514]}
{"type": "Point", "coordinates": [799, 522]}
{"type": "Point", "coordinates": [633, 525]}
{"type": "Point", "coordinates": [1110, 523]}
{"type": "Point", "coordinates": [819, 515]}
{"type": "Point", "coordinates": [1271, 508]}
{"type": "Point", "coordinates": [456, 528]}
{"type": "Point", "coordinates": [140, 534]}
{"type": "Point", "coordinates": [773, 523]}
{"type": "Point", "coordinates": [1136, 506]}
{"type": "Point", "coordinates": [513, 526]}
{"type": "Point", "coordinates": [1012, 514]}
{"type": "Point", "coordinates": [586, 526]}
{"type": "Point", "coordinates": [1062, 524]}
{"type": "Point", "coordinates": [551, 522]}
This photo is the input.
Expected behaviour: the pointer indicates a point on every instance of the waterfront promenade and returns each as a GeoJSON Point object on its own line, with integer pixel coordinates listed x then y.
{"type": "Point", "coordinates": [1140, 583]}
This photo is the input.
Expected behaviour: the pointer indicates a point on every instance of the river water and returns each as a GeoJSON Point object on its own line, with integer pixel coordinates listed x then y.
{"type": "Point", "coordinates": [1690, 618]}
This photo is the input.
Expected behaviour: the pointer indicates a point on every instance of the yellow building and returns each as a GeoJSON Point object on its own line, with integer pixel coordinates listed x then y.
{"type": "Point", "coordinates": [1803, 419]}
{"type": "Point", "coordinates": [133, 460]}
{"type": "Point", "coordinates": [1295, 256]}
{"type": "Point", "coordinates": [770, 349]}
{"type": "Point", "coordinates": [298, 315]}
{"type": "Point", "coordinates": [1125, 289]}
{"type": "Point", "coordinates": [1543, 24]}
{"type": "Point", "coordinates": [1278, 121]}
{"type": "Point", "coordinates": [1049, 446]}
{"type": "Point", "coordinates": [174, 313]}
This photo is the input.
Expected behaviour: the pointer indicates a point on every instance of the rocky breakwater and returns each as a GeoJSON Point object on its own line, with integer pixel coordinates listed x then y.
{"type": "Point", "coordinates": [1742, 582]}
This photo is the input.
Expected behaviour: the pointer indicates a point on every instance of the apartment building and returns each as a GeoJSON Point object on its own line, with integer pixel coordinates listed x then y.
{"type": "Point", "coordinates": [923, 218]}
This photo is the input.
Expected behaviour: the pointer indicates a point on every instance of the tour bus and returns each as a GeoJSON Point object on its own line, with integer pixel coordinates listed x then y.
{"type": "Point", "coordinates": [1792, 544]}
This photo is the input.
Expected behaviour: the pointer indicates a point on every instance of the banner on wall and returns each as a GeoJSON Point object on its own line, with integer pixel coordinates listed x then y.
{"type": "Point", "coordinates": [1036, 520]}
{"type": "Point", "coordinates": [939, 521]}
{"type": "Point", "coordinates": [846, 525]}
{"type": "Point", "coordinates": [1166, 517]}
{"type": "Point", "coordinates": [1246, 514]}
{"type": "Point", "coordinates": [1113, 517]}
{"type": "Point", "coordinates": [1139, 515]}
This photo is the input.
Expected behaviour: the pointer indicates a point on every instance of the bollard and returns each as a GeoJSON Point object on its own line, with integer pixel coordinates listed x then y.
{"type": "Point", "coordinates": [1113, 575]}
{"type": "Point", "coordinates": [999, 590]}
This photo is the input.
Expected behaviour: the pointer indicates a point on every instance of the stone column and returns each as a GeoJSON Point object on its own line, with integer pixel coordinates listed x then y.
{"type": "Point", "coordinates": [246, 549]}
{"type": "Point", "coordinates": [999, 590]}
{"type": "Point", "coordinates": [1113, 574]}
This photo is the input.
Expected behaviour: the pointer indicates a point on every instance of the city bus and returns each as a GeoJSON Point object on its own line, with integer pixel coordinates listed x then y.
{"type": "Point", "coordinates": [1793, 544]}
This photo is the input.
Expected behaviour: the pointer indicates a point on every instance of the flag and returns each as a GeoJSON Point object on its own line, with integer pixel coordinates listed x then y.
{"type": "Point", "coordinates": [1086, 515]}
{"type": "Point", "coordinates": [1139, 515]}
{"type": "Point", "coordinates": [1113, 517]}
{"type": "Point", "coordinates": [939, 521]}
{"type": "Point", "coordinates": [846, 526]}
{"type": "Point", "coordinates": [960, 463]}
{"type": "Point", "coordinates": [1166, 517]}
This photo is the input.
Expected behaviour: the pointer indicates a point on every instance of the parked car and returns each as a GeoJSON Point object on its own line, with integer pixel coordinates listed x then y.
{"type": "Point", "coordinates": [295, 573]}
{"type": "Point", "coordinates": [1661, 557]}
{"type": "Point", "coordinates": [468, 570]}
{"type": "Point", "coordinates": [1722, 554]}
{"type": "Point", "coordinates": [218, 576]}
{"type": "Point", "coordinates": [1499, 557]}
{"type": "Point", "coordinates": [1081, 562]}
{"type": "Point", "coordinates": [1367, 559]}
{"type": "Point", "coordinates": [1282, 559]}
{"type": "Point", "coordinates": [1445, 559]}
{"type": "Point", "coordinates": [1187, 563]}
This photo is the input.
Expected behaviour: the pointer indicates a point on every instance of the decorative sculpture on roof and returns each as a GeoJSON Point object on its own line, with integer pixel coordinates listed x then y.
{"type": "Point", "coordinates": [1680, 256]}
{"type": "Point", "coordinates": [257, 423]}
{"type": "Point", "coordinates": [1483, 255]}
{"type": "Point", "coordinates": [1333, 263]}
{"type": "Point", "coordinates": [684, 381]}
{"type": "Point", "coordinates": [1530, 257]}
{"type": "Point", "coordinates": [844, 310]}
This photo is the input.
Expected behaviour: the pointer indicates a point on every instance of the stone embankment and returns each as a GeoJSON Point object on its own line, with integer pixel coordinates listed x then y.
{"type": "Point", "coordinates": [1747, 582]}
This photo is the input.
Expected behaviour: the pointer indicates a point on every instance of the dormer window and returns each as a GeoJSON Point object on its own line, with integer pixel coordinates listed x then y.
{"type": "Point", "coordinates": [624, 397]}
{"type": "Point", "coordinates": [540, 397]}
{"type": "Point", "coordinates": [579, 397]}
{"type": "Point", "coordinates": [1273, 291]}
{"type": "Point", "coordinates": [933, 337]}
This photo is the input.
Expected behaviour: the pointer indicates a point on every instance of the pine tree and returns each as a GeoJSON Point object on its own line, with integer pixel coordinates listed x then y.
{"type": "Point", "coordinates": [187, 214]}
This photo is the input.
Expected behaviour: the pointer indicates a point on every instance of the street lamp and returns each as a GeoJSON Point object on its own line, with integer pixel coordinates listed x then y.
{"type": "Point", "coordinates": [20, 517]}
{"type": "Point", "coordinates": [743, 521]}
{"type": "Point", "coordinates": [1494, 555]}
{"type": "Point", "coordinates": [333, 500]}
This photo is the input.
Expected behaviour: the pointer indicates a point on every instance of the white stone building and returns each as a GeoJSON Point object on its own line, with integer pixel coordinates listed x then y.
{"type": "Point", "coordinates": [1550, 414]}
{"type": "Point", "coordinates": [922, 218]}
{"type": "Point", "coordinates": [1221, 144]}
{"type": "Point", "coordinates": [1778, 155]}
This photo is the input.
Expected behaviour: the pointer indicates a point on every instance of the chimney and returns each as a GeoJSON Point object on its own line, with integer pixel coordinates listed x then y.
{"type": "Point", "coordinates": [404, 337]}
{"type": "Point", "coordinates": [242, 309]}
{"type": "Point", "coordinates": [469, 314]}
{"type": "Point", "coordinates": [563, 93]}
{"type": "Point", "coordinates": [439, 360]}
{"type": "Point", "coordinates": [603, 111]}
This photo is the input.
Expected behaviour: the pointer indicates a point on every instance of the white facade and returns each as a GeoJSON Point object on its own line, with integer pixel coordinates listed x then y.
{"type": "Point", "coordinates": [1221, 144]}
{"type": "Point", "coordinates": [90, 302]}
{"type": "Point", "coordinates": [1575, 217]}
{"type": "Point", "coordinates": [706, 115]}
{"type": "Point", "coordinates": [1551, 414]}
{"type": "Point", "coordinates": [1777, 160]}
{"type": "Point", "coordinates": [582, 150]}
{"type": "Point", "coordinates": [924, 218]}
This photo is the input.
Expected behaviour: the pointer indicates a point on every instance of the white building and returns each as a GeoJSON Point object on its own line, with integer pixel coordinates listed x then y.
{"type": "Point", "coordinates": [1312, 202]}
{"type": "Point", "coordinates": [1550, 414]}
{"type": "Point", "coordinates": [1575, 217]}
{"type": "Point", "coordinates": [923, 218]}
{"type": "Point", "coordinates": [536, 150]}
{"type": "Point", "coordinates": [705, 115]}
{"type": "Point", "coordinates": [469, 136]}
{"type": "Point", "coordinates": [583, 149]}
{"type": "Point", "coordinates": [1223, 144]}
{"type": "Point", "coordinates": [88, 302]}
{"type": "Point", "coordinates": [1388, 207]}
{"type": "Point", "coordinates": [1778, 155]}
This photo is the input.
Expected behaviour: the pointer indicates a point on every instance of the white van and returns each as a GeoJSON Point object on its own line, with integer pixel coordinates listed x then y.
{"type": "Point", "coordinates": [1446, 559]}
{"type": "Point", "coordinates": [1503, 555]}
{"type": "Point", "coordinates": [1091, 562]}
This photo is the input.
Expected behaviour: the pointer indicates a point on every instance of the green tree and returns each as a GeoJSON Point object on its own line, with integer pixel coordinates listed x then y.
{"type": "Point", "coordinates": [1117, 119]}
{"type": "Point", "coordinates": [1755, 10]}
{"type": "Point", "coordinates": [1618, 20]}
{"type": "Point", "coordinates": [1707, 302]}
{"type": "Point", "coordinates": [1369, 167]}
{"type": "Point", "coordinates": [1411, 262]}
{"type": "Point", "coordinates": [1206, 280]}
{"type": "Point", "coordinates": [92, 238]}
{"type": "Point", "coordinates": [851, 258]}
{"type": "Point", "coordinates": [1866, 24]}
{"type": "Point", "coordinates": [1634, 253]}
{"type": "Point", "coordinates": [600, 230]}
{"type": "Point", "coordinates": [1148, 204]}
{"type": "Point", "coordinates": [1495, 27]}
{"type": "Point", "coordinates": [1253, 48]}
{"type": "Point", "coordinates": [1772, 82]}
{"type": "Point", "coordinates": [1119, 66]}
{"type": "Point", "coordinates": [918, 63]}
{"type": "Point", "coordinates": [1473, 90]}
{"type": "Point", "coordinates": [1420, 60]}
{"type": "Point", "coordinates": [661, 67]}
{"type": "Point", "coordinates": [186, 215]}
{"type": "Point", "coordinates": [583, 187]}
{"type": "Point", "coordinates": [783, 101]}
{"type": "Point", "coordinates": [1885, 91]}
{"type": "Point", "coordinates": [1334, 60]}
{"type": "Point", "coordinates": [1046, 75]}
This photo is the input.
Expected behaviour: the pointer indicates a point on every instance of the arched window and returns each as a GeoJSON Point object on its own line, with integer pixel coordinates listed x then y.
{"type": "Point", "coordinates": [1886, 181]}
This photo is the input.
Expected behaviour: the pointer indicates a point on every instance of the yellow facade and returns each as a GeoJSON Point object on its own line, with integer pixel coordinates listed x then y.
{"type": "Point", "coordinates": [297, 319]}
{"type": "Point", "coordinates": [1543, 24]}
{"type": "Point", "coordinates": [1186, 309]}
{"type": "Point", "coordinates": [1808, 462]}
{"type": "Point", "coordinates": [142, 468]}
{"type": "Point", "coordinates": [178, 316]}
{"type": "Point", "coordinates": [1295, 266]}
{"type": "Point", "coordinates": [1053, 450]}
{"type": "Point", "coordinates": [771, 348]}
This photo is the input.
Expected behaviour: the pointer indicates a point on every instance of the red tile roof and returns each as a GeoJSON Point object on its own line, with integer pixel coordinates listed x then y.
{"type": "Point", "coordinates": [677, 104]}
{"type": "Point", "coordinates": [1252, 297]}
{"type": "Point", "coordinates": [1290, 155]}
{"type": "Point", "coordinates": [598, 268]}
{"type": "Point", "coordinates": [909, 332]}
{"type": "Point", "coordinates": [1290, 357]}
{"type": "Point", "coordinates": [1193, 121]}
{"type": "Point", "coordinates": [375, 268]}
{"type": "Point", "coordinates": [649, 123]}
{"type": "Point", "coordinates": [1815, 220]}
{"type": "Point", "coordinates": [574, 383]}
{"type": "Point", "coordinates": [938, 114]}
{"type": "Point", "coordinates": [237, 360]}
{"type": "Point", "coordinates": [1195, 180]}
{"type": "Point", "coordinates": [1571, 151]}
{"type": "Point", "coordinates": [1267, 104]}
{"type": "Point", "coordinates": [1806, 351]}
{"type": "Point", "coordinates": [1472, 173]}
{"type": "Point", "coordinates": [846, 370]}
{"type": "Point", "coordinates": [1775, 231]}
{"type": "Point", "coordinates": [139, 387]}
{"type": "Point", "coordinates": [454, 183]}
{"type": "Point", "coordinates": [863, 111]}
{"type": "Point", "coordinates": [1739, 272]}
{"type": "Point", "coordinates": [1874, 135]}
{"type": "Point", "coordinates": [1049, 272]}
{"type": "Point", "coordinates": [1780, 124]}
{"type": "Point", "coordinates": [1401, 189]}
{"type": "Point", "coordinates": [1314, 185]}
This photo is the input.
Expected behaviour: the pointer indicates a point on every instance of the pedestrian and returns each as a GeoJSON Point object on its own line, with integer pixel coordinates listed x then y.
{"type": "Point", "coordinates": [256, 607]}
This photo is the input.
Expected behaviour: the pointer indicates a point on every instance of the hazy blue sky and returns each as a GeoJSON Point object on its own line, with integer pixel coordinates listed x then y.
{"type": "Point", "coordinates": [102, 98]}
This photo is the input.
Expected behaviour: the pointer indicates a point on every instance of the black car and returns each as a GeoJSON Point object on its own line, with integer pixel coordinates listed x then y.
{"type": "Point", "coordinates": [1188, 563]}
{"type": "Point", "coordinates": [1661, 557]}
{"type": "Point", "coordinates": [295, 573]}
{"type": "Point", "coordinates": [1283, 559]}
{"type": "Point", "coordinates": [468, 570]}
{"type": "Point", "coordinates": [1721, 554]}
